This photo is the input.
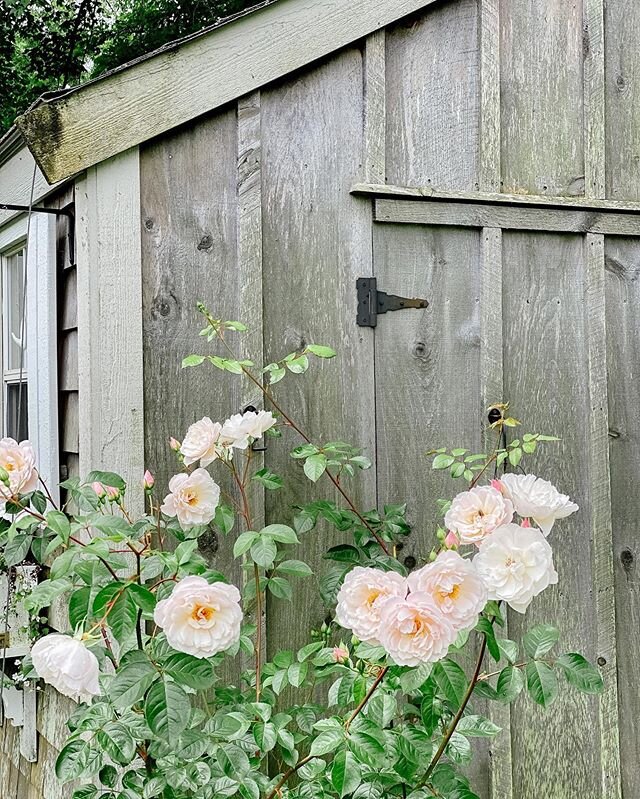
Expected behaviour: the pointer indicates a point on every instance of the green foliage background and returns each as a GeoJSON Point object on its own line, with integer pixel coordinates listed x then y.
{"type": "Point", "coordinates": [49, 44]}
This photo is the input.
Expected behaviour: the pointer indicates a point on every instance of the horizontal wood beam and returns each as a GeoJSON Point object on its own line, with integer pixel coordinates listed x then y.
{"type": "Point", "coordinates": [545, 201]}
{"type": "Point", "coordinates": [477, 215]}
{"type": "Point", "coordinates": [69, 133]}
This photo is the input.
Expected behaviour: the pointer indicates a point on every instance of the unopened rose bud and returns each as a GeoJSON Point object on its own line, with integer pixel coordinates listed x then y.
{"type": "Point", "coordinates": [526, 523]}
{"type": "Point", "coordinates": [4, 476]}
{"type": "Point", "coordinates": [433, 555]}
{"type": "Point", "coordinates": [340, 654]}
{"type": "Point", "coordinates": [98, 489]}
{"type": "Point", "coordinates": [440, 534]}
{"type": "Point", "coordinates": [149, 481]}
{"type": "Point", "coordinates": [112, 493]}
{"type": "Point", "coordinates": [497, 485]}
{"type": "Point", "coordinates": [174, 444]}
{"type": "Point", "coordinates": [451, 540]}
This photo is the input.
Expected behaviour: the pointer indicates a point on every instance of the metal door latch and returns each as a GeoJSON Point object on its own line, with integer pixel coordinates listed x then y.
{"type": "Point", "coordinates": [372, 302]}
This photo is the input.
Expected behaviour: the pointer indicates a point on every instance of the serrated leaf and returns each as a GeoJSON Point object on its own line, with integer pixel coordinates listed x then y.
{"type": "Point", "coordinates": [192, 360]}
{"type": "Point", "coordinates": [265, 735]}
{"type": "Point", "coordinates": [197, 673]}
{"type": "Point", "coordinates": [580, 673]}
{"type": "Point", "coordinates": [451, 680]}
{"type": "Point", "coordinates": [542, 682]}
{"type": "Point", "coordinates": [315, 466]}
{"type": "Point", "coordinates": [116, 740]}
{"type": "Point", "coordinates": [167, 709]}
{"type": "Point", "coordinates": [345, 774]}
{"type": "Point", "coordinates": [263, 551]}
{"type": "Point", "coordinates": [326, 741]}
{"type": "Point", "coordinates": [320, 351]}
{"type": "Point", "coordinates": [540, 639]}
{"type": "Point", "coordinates": [442, 461]}
{"type": "Point", "coordinates": [244, 542]}
{"type": "Point", "coordinates": [510, 683]}
{"type": "Point", "coordinates": [477, 727]}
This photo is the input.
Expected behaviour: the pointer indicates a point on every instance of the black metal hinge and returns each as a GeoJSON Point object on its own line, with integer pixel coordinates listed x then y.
{"type": "Point", "coordinates": [372, 302]}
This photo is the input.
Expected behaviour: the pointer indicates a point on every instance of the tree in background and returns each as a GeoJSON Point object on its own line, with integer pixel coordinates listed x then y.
{"type": "Point", "coordinates": [49, 44]}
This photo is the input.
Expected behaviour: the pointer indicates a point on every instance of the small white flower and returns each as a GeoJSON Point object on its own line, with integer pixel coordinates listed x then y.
{"type": "Point", "coordinates": [202, 442]}
{"type": "Point", "coordinates": [537, 499]}
{"type": "Point", "coordinates": [414, 630]}
{"type": "Point", "coordinates": [361, 598]}
{"type": "Point", "coordinates": [516, 564]}
{"type": "Point", "coordinates": [239, 428]}
{"type": "Point", "coordinates": [454, 585]}
{"type": "Point", "coordinates": [67, 665]}
{"type": "Point", "coordinates": [476, 513]}
{"type": "Point", "coordinates": [200, 619]}
{"type": "Point", "coordinates": [193, 498]}
{"type": "Point", "coordinates": [19, 461]}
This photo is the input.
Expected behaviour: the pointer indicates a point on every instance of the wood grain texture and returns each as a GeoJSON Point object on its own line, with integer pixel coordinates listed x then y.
{"type": "Point", "coordinates": [375, 111]}
{"type": "Point", "coordinates": [316, 242]}
{"type": "Point", "coordinates": [429, 212]}
{"type": "Point", "coordinates": [622, 98]}
{"type": "Point", "coordinates": [489, 134]}
{"type": "Point", "coordinates": [594, 98]}
{"type": "Point", "coordinates": [545, 357]}
{"type": "Point", "coordinates": [600, 500]}
{"type": "Point", "coordinates": [433, 98]}
{"type": "Point", "coordinates": [519, 200]}
{"type": "Point", "coordinates": [541, 72]}
{"type": "Point", "coordinates": [110, 321]}
{"type": "Point", "coordinates": [190, 246]}
{"type": "Point", "coordinates": [16, 176]}
{"type": "Point", "coordinates": [491, 392]}
{"type": "Point", "coordinates": [133, 105]}
{"type": "Point", "coordinates": [622, 283]}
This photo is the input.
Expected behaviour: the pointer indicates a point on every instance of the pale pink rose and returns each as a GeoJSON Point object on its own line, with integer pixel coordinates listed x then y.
{"type": "Point", "coordinates": [361, 598]}
{"type": "Point", "coordinates": [67, 665]}
{"type": "Point", "coordinates": [414, 630]}
{"type": "Point", "coordinates": [258, 423]}
{"type": "Point", "coordinates": [193, 498]}
{"type": "Point", "coordinates": [200, 619]}
{"type": "Point", "coordinates": [535, 498]}
{"type": "Point", "coordinates": [148, 481]}
{"type": "Point", "coordinates": [455, 586]}
{"type": "Point", "coordinates": [516, 564]}
{"type": "Point", "coordinates": [19, 462]}
{"type": "Point", "coordinates": [98, 489]}
{"type": "Point", "coordinates": [202, 442]}
{"type": "Point", "coordinates": [239, 428]}
{"type": "Point", "coordinates": [476, 513]}
{"type": "Point", "coordinates": [340, 654]}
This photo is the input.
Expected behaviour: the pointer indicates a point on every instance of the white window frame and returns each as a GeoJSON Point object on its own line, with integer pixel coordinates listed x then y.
{"type": "Point", "coordinates": [41, 334]}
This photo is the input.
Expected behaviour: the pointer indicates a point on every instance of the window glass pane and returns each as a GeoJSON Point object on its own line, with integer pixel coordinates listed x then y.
{"type": "Point", "coordinates": [14, 302]}
{"type": "Point", "coordinates": [17, 427]}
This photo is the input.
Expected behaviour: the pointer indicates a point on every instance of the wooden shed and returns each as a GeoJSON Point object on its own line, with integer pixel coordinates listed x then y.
{"type": "Point", "coordinates": [483, 155]}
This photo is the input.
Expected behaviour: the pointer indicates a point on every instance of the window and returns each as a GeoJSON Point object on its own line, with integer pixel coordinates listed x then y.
{"type": "Point", "coordinates": [14, 354]}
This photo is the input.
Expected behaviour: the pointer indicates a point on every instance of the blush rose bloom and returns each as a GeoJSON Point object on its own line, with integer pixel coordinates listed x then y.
{"type": "Point", "coordinates": [538, 499]}
{"type": "Point", "coordinates": [454, 585]}
{"type": "Point", "coordinates": [200, 619]}
{"type": "Point", "coordinates": [476, 513]}
{"type": "Point", "coordinates": [239, 428]}
{"type": "Point", "coordinates": [415, 630]}
{"type": "Point", "coordinates": [19, 461]}
{"type": "Point", "coordinates": [362, 597]}
{"type": "Point", "coordinates": [516, 564]}
{"type": "Point", "coordinates": [201, 442]}
{"type": "Point", "coordinates": [67, 665]}
{"type": "Point", "coordinates": [193, 498]}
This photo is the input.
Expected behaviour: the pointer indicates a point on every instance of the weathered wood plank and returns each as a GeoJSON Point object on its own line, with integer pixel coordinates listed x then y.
{"type": "Point", "coordinates": [520, 200]}
{"type": "Point", "coordinates": [545, 356]}
{"type": "Point", "coordinates": [489, 134]}
{"type": "Point", "coordinates": [622, 99]}
{"type": "Point", "coordinates": [541, 72]}
{"type": "Point", "coordinates": [375, 112]}
{"type": "Point", "coordinates": [600, 501]}
{"type": "Point", "coordinates": [433, 98]}
{"type": "Point", "coordinates": [69, 422]}
{"type": "Point", "coordinates": [428, 212]}
{"type": "Point", "coordinates": [16, 178]}
{"type": "Point", "coordinates": [622, 261]}
{"type": "Point", "coordinates": [68, 315]}
{"type": "Point", "coordinates": [594, 98]}
{"type": "Point", "coordinates": [317, 241]}
{"type": "Point", "coordinates": [133, 105]}
{"type": "Point", "coordinates": [492, 391]}
{"type": "Point", "coordinates": [110, 321]}
{"type": "Point", "coordinates": [68, 362]}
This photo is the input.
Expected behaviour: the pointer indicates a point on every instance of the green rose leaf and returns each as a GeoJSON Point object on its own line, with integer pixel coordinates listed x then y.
{"type": "Point", "coordinates": [540, 639]}
{"type": "Point", "coordinates": [451, 680]}
{"type": "Point", "coordinates": [60, 524]}
{"type": "Point", "coordinates": [345, 774]}
{"type": "Point", "coordinates": [510, 683]}
{"type": "Point", "coordinates": [580, 673]}
{"type": "Point", "coordinates": [264, 551]}
{"type": "Point", "coordinates": [327, 741]}
{"type": "Point", "coordinates": [167, 709]}
{"type": "Point", "coordinates": [320, 351]}
{"type": "Point", "coordinates": [197, 673]}
{"type": "Point", "coordinates": [73, 760]}
{"type": "Point", "coordinates": [315, 466]}
{"type": "Point", "coordinates": [477, 727]}
{"type": "Point", "coordinates": [116, 740]}
{"type": "Point", "coordinates": [542, 682]}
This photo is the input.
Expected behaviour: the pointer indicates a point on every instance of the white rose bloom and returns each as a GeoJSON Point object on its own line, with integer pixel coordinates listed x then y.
{"type": "Point", "coordinates": [414, 630]}
{"type": "Point", "coordinates": [537, 499]}
{"type": "Point", "coordinates": [476, 513]}
{"type": "Point", "coordinates": [202, 442]}
{"type": "Point", "coordinates": [193, 499]}
{"type": "Point", "coordinates": [454, 585]}
{"type": "Point", "coordinates": [200, 619]}
{"type": "Point", "coordinates": [240, 427]}
{"type": "Point", "coordinates": [19, 461]}
{"type": "Point", "coordinates": [361, 598]}
{"type": "Point", "coordinates": [67, 665]}
{"type": "Point", "coordinates": [516, 564]}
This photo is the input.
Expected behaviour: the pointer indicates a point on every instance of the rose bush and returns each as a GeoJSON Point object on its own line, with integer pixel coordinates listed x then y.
{"type": "Point", "coordinates": [377, 703]}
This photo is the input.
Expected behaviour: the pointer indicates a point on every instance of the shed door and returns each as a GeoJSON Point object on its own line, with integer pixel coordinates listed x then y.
{"type": "Point", "coordinates": [516, 313]}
